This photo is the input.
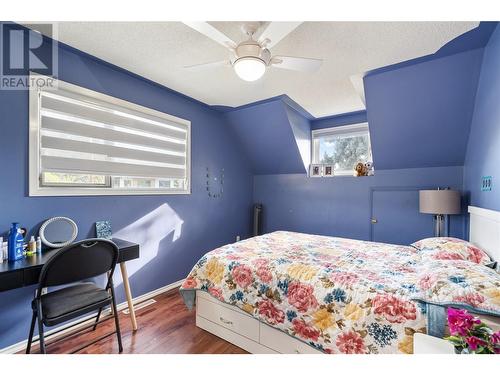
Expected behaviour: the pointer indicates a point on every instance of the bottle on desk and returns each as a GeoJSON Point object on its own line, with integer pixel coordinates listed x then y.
{"type": "Point", "coordinates": [38, 245]}
{"type": "Point", "coordinates": [16, 241]}
{"type": "Point", "coordinates": [4, 251]}
{"type": "Point", "coordinates": [31, 250]}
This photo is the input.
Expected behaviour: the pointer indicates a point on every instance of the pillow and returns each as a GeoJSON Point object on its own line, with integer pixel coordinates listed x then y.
{"type": "Point", "coordinates": [449, 248]}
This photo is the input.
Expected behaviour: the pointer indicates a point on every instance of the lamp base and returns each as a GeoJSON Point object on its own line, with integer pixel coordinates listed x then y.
{"type": "Point", "coordinates": [439, 225]}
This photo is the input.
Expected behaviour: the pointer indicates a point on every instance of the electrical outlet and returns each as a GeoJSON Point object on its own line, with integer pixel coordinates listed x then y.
{"type": "Point", "coordinates": [486, 183]}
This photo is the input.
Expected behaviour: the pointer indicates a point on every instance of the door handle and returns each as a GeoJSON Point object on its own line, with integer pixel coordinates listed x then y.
{"type": "Point", "coordinates": [374, 221]}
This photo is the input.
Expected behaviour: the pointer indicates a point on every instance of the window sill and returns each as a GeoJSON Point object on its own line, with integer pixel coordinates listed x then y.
{"type": "Point", "coordinates": [65, 192]}
{"type": "Point", "coordinates": [339, 175]}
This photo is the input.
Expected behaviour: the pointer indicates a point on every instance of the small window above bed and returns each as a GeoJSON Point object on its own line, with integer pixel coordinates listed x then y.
{"type": "Point", "coordinates": [341, 148]}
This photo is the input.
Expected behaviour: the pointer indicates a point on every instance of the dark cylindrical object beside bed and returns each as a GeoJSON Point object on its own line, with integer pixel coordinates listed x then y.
{"type": "Point", "coordinates": [257, 219]}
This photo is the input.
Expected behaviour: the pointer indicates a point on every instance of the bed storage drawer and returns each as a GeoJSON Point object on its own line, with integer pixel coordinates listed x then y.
{"type": "Point", "coordinates": [279, 341]}
{"type": "Point", "coordinates": [227, 317]}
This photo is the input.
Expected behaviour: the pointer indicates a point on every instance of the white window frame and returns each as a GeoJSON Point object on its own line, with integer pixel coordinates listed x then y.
{"type": "Point", "coordinates": [347, 130]}
{"type": "Point", "coordinates": [35, 182]}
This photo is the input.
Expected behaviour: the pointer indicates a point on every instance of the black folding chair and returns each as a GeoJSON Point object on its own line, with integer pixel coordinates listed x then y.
{"type": "Point", "coordinates": [74, 263]}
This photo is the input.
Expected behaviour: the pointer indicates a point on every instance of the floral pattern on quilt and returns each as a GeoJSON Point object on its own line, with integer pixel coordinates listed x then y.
{"type": "Point", "coordinates": [461, 283]}
{"type": "Point", "coordinates": [338, 295]}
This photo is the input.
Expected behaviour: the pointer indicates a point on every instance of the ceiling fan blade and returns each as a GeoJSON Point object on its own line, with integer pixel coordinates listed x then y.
{"type": "Point", "coordinates": [211, 32]}
{"type": "Point", "coordinates": [302, 64]}
{"type": "Point", "coordinates": [205, 66]}
{"type": "Point", "coordinates": [276, 31]}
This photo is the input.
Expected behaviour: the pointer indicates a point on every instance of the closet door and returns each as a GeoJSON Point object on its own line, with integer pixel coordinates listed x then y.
{"type": "Point", "coordinates": [396, 217]}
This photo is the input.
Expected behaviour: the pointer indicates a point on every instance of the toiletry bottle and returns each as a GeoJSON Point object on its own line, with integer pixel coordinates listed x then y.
{"type": "Point", "coordinates": [38, 245]}
{"type": "Point", "coordinates": [5, 252]}
{"type": "Point", "coordinates": [15, 243]}
{"type": "Point", "coordinates": [31, 246]}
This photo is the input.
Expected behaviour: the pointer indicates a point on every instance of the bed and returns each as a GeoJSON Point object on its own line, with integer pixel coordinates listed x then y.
{"type": "Point", "coordinates": [287, 292]}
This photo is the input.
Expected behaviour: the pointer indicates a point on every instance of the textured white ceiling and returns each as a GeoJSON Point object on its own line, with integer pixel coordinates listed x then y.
{"type": "Point", "coordinates": [159, 51]}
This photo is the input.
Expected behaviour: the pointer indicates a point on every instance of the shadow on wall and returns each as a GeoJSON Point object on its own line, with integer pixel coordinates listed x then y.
{"type": "Point", "coordinates": [149, 231]}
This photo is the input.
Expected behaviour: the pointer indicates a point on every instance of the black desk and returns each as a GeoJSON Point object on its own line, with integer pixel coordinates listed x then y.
{"type": "Point", "coordinates": [26, 271]}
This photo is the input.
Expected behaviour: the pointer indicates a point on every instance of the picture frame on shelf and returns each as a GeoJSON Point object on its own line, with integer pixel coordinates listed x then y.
{"type": "Point", "coordinates": [316, 170]}
{"type": "Point", "coordinates": [328, 170]}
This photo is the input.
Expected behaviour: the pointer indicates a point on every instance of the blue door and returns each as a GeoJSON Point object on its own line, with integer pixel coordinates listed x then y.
{"type": "Point", "coordinates": [396, 218]}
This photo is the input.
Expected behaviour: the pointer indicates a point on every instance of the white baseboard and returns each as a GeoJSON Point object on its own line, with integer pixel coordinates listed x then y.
{"type": "Point", "coordinates": [82, 321]}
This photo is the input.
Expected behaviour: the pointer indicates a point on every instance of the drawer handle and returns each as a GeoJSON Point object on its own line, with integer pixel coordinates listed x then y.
{"type": "Point", "coordinates": [225, 321]}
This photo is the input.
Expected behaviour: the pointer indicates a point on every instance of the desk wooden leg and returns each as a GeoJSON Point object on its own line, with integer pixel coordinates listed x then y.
{"type": "Point", "coordinates": [128, 294]}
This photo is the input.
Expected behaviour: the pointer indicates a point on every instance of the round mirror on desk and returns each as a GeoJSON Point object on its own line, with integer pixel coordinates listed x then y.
{"type": "Point", "coordinates": [58, 232]}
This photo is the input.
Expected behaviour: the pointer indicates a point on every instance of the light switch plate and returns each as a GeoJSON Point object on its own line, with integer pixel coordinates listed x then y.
{"type": "Point", "coordinates": [486, 183]}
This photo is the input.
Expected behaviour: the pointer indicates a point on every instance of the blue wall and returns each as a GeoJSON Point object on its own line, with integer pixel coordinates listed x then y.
{"type": "Point", "coordinates": [420, 114]}
{"type": "Point", "coordinates": [339, 120]}
{"type": "Point", "coordinates": [483, 150]}
{"type": "Point", "coordinates": [266, 136]}
{"type": "Point", "coordinates": [173, 230]}
{"type": "Point", "coordinates": [341, 206]}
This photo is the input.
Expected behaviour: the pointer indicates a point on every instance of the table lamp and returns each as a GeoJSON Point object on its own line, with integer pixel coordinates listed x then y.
{"type": "Point", "coordinates": [439, 203]}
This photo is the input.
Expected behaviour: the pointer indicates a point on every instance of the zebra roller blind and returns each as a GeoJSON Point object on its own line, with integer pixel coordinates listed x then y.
{"type": "Point", "coordinates": [90, 142]}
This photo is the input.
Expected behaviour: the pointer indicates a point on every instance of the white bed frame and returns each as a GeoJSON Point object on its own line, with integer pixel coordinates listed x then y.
{"type": "Point", "coordinates": [484, 230]}
{"type": "Point", "coordinates": [248, 333]}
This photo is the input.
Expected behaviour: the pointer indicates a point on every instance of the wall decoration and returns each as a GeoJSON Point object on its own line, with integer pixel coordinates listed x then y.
{"type": "Point", "coordinates": [316, 170]}
{"type": "Point", "coordinates": [103, 229]}
{"type": "Point", "coordinates": [215, 185]}
{"type": "Point", "coordinates": [486, 183]}
{"type": "Point", "coordinates": [328, 170]}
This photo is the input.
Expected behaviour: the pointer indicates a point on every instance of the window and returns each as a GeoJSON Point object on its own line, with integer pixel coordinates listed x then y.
{"type": "Point", "coordinates": [86, 143]}
{"type": "Point", "coordinates": [342, 146]}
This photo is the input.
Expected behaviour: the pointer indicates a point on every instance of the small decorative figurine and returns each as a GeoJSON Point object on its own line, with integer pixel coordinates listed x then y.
{"type": "Point", "coordinates": [359, 170]}
{"type": "Point", "coordinates": [363, 169]}
{"type": "Point", "coordinates": [369, 168]}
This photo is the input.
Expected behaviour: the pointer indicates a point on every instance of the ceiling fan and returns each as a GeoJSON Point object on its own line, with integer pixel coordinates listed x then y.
{"type": "Point", "coordinates": [252, 57]}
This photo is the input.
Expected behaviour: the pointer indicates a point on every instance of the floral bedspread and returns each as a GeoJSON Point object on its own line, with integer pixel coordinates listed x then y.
{"type": "Point", "coordinates": [340, 295]}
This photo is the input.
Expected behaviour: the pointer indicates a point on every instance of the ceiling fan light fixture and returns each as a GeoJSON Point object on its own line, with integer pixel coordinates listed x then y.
{"type": "Point", "coordinates": [249, 68]}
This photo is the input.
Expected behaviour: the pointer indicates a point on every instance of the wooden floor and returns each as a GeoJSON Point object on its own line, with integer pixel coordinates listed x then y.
{"type": "Point", "coordinates": [164, 327]}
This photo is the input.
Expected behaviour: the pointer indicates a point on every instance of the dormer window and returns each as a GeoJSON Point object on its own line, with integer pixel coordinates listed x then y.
{"type": "Point", "coordinates": [342, 147]}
